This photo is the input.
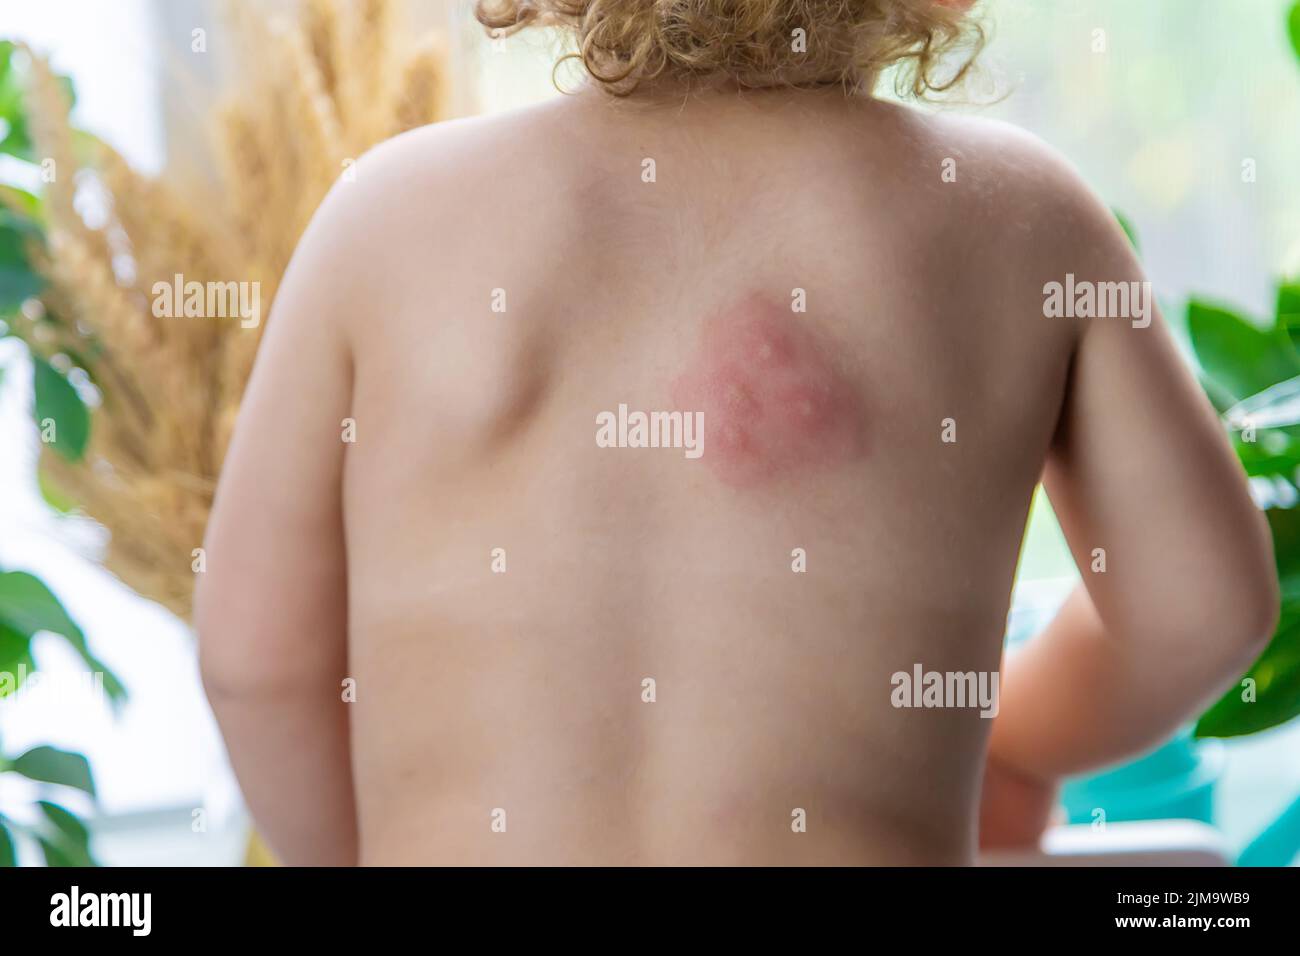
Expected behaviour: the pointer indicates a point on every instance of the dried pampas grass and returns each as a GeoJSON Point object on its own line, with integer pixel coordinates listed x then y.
{"type": "Point", "coordinates": [316, 89]}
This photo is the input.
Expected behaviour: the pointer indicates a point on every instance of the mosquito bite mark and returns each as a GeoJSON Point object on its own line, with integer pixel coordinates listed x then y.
{"type": "Point", "coordinates": [774, 403]}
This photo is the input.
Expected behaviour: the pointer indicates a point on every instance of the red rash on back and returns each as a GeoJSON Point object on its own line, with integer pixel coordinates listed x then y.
{"type": "Point", "coordinates": [774, 405]}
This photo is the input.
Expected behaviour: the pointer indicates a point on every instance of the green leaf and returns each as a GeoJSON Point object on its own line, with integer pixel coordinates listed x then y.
{"type": "Point", "coordinates": [30, 203]}
{"type": "Point", "coordinates": [57, 401]}
{"type": "Point", "coordinates": [1239, 357]}
{"type": "Point", "coordinates": [61, 767]}
{"type": "Point", "coordinates": [1262, 465]}
{"type": "Point", "coordinates": [8, 852]}
{"type": "Point", "coordinates": [15, 140]}
{"type": "Point", "coordinates": [1284, 524]}
{"type": "Point", "coordinates": [55, 854]}
{"type": "Point", "coordinates": [15, 659]}
{"type": "Point", "coordinates": [18, 280]}
{"type": "Point", "coordinates": [65, 821]}
{"type": "Point", "coordinates": [1277, 689]}
{"type": "Point", "coordinates": [28, 606]}
{"type": "Point", "coordinates": [1277, 672]}
{"type": "Point", "coordinates": [70, 834]}
{"type": "Point", "coordinates": [1288, 305]}
{"type": "Point", "coordinates": [53, 497]}
{"type": "Point", "coordinates": [1293, 27]}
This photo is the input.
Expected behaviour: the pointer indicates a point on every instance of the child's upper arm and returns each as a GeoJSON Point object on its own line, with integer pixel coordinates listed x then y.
{"type": "Point", "coordinates": [1142, 477]}
{"type": "Point", "coordinates": [272, 602]}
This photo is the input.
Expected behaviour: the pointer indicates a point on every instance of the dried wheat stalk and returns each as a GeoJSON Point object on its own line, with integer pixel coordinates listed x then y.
{"type": "Point", "coordinates": [316, 89]}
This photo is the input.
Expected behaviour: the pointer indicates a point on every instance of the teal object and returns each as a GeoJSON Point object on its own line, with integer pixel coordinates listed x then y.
{"type": "Point", "coordinates": [1279, 844]}
{"type": "Point", "coordinates": [1175, 781]}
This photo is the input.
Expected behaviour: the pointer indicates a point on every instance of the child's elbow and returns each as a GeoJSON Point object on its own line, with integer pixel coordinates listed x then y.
{"type": "Point", "coordinates": [223, 642]}
{"type": "Point", "coordinates": [1260, 603]}
{"type": "Point", "coordinates": [215, 670]}
{"type": "Point", "coordinates": [1247, 600]}
{"type": "Point", "coordinates": [1222, 603]}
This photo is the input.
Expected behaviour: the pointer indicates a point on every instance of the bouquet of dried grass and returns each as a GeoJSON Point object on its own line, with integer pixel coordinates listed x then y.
{"type": "Point", "coordinates": [315, 91]}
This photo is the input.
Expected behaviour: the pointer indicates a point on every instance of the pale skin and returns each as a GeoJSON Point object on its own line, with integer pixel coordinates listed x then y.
{"type": "Point", "coordinates": [484, 697]}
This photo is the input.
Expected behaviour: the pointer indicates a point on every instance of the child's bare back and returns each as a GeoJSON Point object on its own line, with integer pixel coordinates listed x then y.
{"type": "Point", "coordinates": [570, 649]}
{"type": "Point", "coordinates": [797, 272]}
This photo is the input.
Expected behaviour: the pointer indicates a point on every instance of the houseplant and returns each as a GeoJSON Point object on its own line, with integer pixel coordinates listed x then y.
{"type": "Point", "coordinates": [1250, 370]}
{"type": "Point", "coordinates": [134, 412]}
{"type": "Point", "coordinates": [27, 606]}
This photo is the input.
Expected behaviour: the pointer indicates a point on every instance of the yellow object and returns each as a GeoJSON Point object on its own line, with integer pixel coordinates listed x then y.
{"type": "Point", "coordinates": [314, 92]}
{"type": "Point", "coordinates": [258, 853]}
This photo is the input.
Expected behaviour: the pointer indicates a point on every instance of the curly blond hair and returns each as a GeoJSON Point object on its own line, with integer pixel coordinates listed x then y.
{"type": "Point", "coordinates": [756, 43]}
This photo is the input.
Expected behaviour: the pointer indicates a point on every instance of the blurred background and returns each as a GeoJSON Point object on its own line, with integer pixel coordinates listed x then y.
{"type": "Point", "coordinates": [1182, 114]}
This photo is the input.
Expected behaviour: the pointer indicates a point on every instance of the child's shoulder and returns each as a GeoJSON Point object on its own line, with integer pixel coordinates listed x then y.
{"type": "Point", "coordinates": [472, 151]}
{"type": "Point", "coordinates": [1007, 164]}
{"type": "Point", "coordinates": [1021, 198]}
{"type": "Point", "coordinates": [406, 206]}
